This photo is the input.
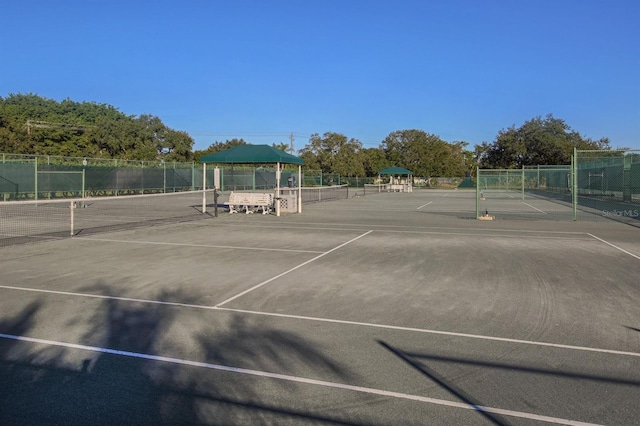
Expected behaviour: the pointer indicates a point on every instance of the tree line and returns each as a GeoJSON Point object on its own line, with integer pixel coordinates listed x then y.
{"type": "Point", "coordinates": [31, 124]}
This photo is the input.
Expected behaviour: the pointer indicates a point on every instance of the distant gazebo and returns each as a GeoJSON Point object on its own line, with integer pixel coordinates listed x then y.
{"type": "Point", "coordinates": [400, 179]}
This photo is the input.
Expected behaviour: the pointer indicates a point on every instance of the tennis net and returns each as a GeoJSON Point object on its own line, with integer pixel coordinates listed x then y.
{"type": "Point", "coordinates": [30, 221]}
{"type": "Point", "coordinates": [373, 188]}
{"type": "Point", "coordinates": [324, 193]}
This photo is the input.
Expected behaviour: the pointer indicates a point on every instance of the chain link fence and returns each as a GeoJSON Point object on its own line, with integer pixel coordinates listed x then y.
{"type": "Point", "coordinates": [39, 177]}
{"type": "Point", "coordinates": [33, 177]}
{"type": "Point", "coordinates": [607, 184]}
{"type": "Point", "coordinates": [597, 186]}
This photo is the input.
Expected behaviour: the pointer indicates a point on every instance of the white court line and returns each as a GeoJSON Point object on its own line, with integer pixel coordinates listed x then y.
{"type": "Point", "coordinates": [470, 234]}
{"type": "Point", "coordinates": [535, 208]}
{"type": "Point", "coordinates": [440, 228]}
{"type": "Point", "coordinates": [303, 380]}
{"type": "Point", "coordinates": [331, 321]}
{"type": "Point", "coordinates": [438, 332]}
{"type": "Point", "coordinates": [615, 246]}
{"type": "Point", "coordinates": [365, 209]}
{"type": "Point", "coordinates": [195, 245]}
{"type": "Point", "coordinates": [101, 296]}
{"type": "Point", "coordinates": [424, 205]}
{"type": "Point", "coordinates": [423, 231]}
{"type": "Point", "coordinates": [291, 270]}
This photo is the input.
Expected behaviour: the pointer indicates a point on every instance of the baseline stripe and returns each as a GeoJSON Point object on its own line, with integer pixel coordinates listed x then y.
{"type": "Point", "coordinates": [424, 205]}
{"type": "Point", "coordinates": [101, 296]}
{"type": "Point", "coordinates": [303, 380]}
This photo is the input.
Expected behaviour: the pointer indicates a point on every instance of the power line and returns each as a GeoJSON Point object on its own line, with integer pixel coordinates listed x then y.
{"type": "Point", "coordinates": [39, 124]}
{"type": "Point", "coordinates": [235, 134]}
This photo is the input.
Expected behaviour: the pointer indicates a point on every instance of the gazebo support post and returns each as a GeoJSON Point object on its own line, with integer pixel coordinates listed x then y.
{"type": "Point", "coordinates": [299, 189]}
{"type": "Point", "coordinates": [204, 188]}
{"type": "Point", "coordinates": [278, 189]}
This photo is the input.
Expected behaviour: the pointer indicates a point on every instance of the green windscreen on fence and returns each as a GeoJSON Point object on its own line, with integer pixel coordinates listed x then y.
{"type": "Point", "coordinates": [608, 183]}
{"type": "Point", "coordinates": [33, 177]}
{"type": "Point", "coordinates": [48, 177]}
{"type": "Point", "coordinates": [598, 186]}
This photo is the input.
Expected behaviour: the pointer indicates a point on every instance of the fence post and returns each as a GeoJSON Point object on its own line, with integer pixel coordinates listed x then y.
{"type": "Point", "coordinates": [193, 175]}
{"type": "Point", "coordinates": [477, 192]}
{"type": "Point", "coordinates": [626, 179]}
{"type": "Point", "coordinates": [523, 182]}
{"type": "Point", "coordinates": [164, 176]}
{"type": "Point", "coordinates": [35, 182]}
{"type": "Point", "coordinates": [574, 183]}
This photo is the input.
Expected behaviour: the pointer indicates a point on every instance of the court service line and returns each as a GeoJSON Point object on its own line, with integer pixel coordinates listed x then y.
{"type": "Point", "coordinates": [424, 231]}
{"type": "Point", "coordinates": [160, 243]}
{"type": "Point", "coordinates": [291, 270]}
{"type": "Point", "coordinates": [471, 234]}
{"type": "Point", "coordinates": [424, 205]}
{"type": "Point", "coordinates": [535, 208]}
{"type": "Point", "coordinates": [366, 209]}
{"type": "Point", "coordinates": [303, 380]}
{"type": "Point", "coordinates": [441, 228]}
{"type": "Point", "coordinates": [329, 320]}
{"type": "Point", "coordinates": [615, 246]}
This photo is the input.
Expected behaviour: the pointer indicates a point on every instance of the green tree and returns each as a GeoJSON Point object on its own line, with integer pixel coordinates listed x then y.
{"type": "Point", "coordinates": [539, 141]}
{"type": "Point", "coordinates": [374, 160]}
{"type": "Point", "coordinates": [334, 153]}
{"type": "Point", "coordinates": [177, 146]}
{"type": "Point", "coordinates": [31, 124]}
{"type": "Point", "coordinates": [219, 146]}
{"type": "Point", "coordinates": [425, 154]}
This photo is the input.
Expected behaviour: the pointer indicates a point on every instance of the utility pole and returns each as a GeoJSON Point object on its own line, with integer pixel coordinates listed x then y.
{"type": "Point", "coordinates": [291, 150]}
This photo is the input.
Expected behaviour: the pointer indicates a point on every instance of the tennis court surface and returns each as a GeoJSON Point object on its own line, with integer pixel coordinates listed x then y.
{"type": "Point", "coordinates": [396, 308]}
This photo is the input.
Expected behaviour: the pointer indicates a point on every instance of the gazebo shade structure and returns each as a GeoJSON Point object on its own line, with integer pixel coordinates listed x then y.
{"type": "Point", "coordinates": [255, 154]}
{"type": "Point", "coordinates": [397, 186]}
{"type": "Point", "coordinates": [251, 154]}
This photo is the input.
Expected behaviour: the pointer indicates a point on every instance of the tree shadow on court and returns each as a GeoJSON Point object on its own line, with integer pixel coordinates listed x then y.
{"type": "Point", "coordinates": [251, 345]}
{"type": "Point", "coordinates": [47, 384]}
{"type": "Point", "coordinates": [422, 360]}
{"type": "Point", "coordinates": [30, 374]}
{"type": "Point", "coordinates": [119, 377]}
{"type": "Point", "coordinates": [412, 360]}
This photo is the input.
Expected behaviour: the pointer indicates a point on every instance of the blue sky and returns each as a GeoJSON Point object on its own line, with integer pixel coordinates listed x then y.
{"type": "Point", "coordinates": [260, 70]}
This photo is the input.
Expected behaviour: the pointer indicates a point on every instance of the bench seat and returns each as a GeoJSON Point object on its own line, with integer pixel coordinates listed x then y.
{"type": "Point", "coordinates": [250, 202]}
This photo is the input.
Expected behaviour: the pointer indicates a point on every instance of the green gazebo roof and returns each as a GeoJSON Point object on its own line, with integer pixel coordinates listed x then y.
{"type": "Point", "coordinates": [395, 171]}
{"type": "Point", "coordinates": [249, 154]}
